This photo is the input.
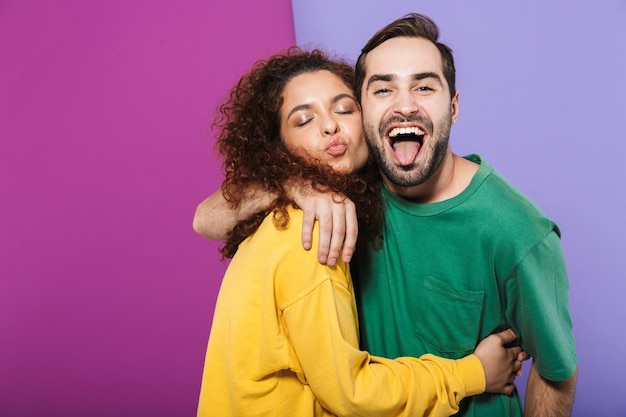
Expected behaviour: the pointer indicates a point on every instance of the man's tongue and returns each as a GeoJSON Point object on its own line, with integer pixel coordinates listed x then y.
{"type": "Point", "coordinates": [406, 151]}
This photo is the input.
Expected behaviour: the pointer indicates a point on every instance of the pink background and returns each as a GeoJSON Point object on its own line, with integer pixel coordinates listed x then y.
{"type": "Point", "coordinates": [106, 293]}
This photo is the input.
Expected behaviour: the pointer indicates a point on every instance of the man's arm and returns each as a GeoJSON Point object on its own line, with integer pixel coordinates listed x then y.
{"type": "Point", "coordinates": [336, 215]}
{"type": "Point", "coordinates": [546, 398]}
{"type": "Point", "coordinates": [215, 216]}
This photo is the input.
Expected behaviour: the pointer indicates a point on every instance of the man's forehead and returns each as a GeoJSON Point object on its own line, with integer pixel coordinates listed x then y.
{"type": "Point", "coordinates": [403, 56]}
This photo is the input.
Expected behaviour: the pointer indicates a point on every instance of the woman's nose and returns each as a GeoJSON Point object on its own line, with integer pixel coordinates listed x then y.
{"type": "Point", "coordinates": [330, 125]}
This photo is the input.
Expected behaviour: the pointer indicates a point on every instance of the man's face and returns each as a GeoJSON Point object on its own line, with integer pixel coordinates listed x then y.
{"type": "Point", "coordinates": [407, 110]}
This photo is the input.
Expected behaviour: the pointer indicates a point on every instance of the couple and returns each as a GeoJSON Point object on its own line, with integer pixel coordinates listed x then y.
{"type": "Point", "coordinates": [458, 256]}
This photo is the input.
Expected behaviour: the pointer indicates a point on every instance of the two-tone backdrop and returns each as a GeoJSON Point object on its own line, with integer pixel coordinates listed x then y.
{"type": "Point", "coordinates": [106, 293]}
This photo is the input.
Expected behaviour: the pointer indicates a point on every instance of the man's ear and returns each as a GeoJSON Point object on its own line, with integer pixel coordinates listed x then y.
{"type": "Point", "coordinates": [454, 107]}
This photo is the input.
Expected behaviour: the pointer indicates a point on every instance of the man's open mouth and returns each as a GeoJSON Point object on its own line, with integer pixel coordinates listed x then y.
{"type": "Point", "coordinates": [406, 143]}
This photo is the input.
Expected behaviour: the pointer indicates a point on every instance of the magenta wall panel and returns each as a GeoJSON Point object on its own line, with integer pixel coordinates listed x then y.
{"type": "Point", "coordinates": [106, 293]}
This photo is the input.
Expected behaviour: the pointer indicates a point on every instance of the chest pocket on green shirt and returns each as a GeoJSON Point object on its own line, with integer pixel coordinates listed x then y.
{"type": "Point", "coordinates": [448, 319]}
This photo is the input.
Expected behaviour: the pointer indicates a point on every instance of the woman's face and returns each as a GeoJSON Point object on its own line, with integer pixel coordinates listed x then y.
{"type": "Point", "coordinates": [320, 118]}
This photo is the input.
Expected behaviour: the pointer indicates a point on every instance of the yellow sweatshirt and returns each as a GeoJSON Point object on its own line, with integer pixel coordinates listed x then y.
{"type": "Point", "coordinates": [284, 342]}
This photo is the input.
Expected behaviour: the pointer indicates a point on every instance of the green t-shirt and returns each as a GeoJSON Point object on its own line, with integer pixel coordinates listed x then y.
{"type": "Point", "coordinates": [451, 273]}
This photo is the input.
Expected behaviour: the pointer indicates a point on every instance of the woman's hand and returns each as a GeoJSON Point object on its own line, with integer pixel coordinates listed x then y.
{"type": "Point", "coordinates": [502, 364]}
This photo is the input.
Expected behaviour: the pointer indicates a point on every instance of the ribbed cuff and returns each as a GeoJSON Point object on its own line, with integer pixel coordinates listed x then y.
{"type": "Point", "coordinates": [472, 373]}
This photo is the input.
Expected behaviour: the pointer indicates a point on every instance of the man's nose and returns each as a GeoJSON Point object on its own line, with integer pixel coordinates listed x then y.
{"type": "Point", "coordinates": [405, 103]}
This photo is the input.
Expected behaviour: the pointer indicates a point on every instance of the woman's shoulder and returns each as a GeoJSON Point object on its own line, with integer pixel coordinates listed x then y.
{"type": "Point", "coordinates": [280, 238]}
{"type": "Point", "coordinates": [294, 269]}
{"type": "Point", "coordinates": [283, 231]}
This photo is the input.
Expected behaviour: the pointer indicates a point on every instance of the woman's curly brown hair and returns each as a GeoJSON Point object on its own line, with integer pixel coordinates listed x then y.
{"type": "Point", "coordinates": [247, 128]}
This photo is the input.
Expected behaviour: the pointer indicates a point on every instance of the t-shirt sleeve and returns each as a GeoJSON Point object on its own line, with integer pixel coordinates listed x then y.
{"type": "Point", "coordinates": [538, 309]}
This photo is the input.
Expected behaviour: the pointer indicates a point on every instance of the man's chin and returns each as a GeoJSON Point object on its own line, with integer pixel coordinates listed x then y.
{"type": "Point", "coordinates": [406, 176]}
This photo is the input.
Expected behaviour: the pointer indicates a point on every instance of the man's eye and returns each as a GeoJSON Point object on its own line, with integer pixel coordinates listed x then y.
{"type": "Point", "coordinates": [381, 91]}
{"type": "Point", "coordinates": [425, 89]}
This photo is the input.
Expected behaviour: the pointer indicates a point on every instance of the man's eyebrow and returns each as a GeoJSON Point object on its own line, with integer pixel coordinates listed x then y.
{"type": "Point", "coordinates": [378, 77]}
{"type": "Point", "coordinates": [390, 77]}
{"type": "Point", "coordinates": [424, 75]}
{"type": "Point", "coordinates": [307, 106]}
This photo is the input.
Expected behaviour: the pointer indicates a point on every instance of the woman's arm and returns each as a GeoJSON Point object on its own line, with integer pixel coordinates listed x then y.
{"type": "Point", "coordinates": [348, 381]}
{"type": "Point", "coordinates": [319, 318]}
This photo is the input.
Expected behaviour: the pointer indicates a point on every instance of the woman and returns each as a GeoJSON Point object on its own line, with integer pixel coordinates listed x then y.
{"type": "Point", "coordinates": [284, 339]}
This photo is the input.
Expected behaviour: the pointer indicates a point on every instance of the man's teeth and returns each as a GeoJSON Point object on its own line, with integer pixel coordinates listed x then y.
{"type": "Point", "coordinates": [405, 131]}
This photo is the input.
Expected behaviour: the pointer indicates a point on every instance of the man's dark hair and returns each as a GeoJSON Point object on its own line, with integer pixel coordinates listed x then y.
{"type": "Point", "coordinates": [412, 25]}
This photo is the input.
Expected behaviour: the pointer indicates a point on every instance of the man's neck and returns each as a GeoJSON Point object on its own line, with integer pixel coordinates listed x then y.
{"type": "Point", "coordinates": [451, 178]}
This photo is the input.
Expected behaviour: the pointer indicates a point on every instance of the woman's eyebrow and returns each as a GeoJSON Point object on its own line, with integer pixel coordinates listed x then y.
{"type": "Point", "coordinates": [342, 96]}
{"type": "Point", "coordinates": [299, 107]}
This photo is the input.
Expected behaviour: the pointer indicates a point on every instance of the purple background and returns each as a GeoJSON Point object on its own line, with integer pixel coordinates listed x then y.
{"type": "Point", "coordinates": [542, 98]}
{"type": "Point", "coordinates": [106, 294]}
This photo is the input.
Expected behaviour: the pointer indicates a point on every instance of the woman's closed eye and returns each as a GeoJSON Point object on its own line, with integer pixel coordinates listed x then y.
{"type": "Point", "coordinates": [302, 119]}
{"type": "Point", "coordinates": [347, 106]}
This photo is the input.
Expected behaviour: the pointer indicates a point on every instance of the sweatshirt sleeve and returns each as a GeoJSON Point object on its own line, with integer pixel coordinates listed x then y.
{"type": "Point", "coordinates": [321, 325]}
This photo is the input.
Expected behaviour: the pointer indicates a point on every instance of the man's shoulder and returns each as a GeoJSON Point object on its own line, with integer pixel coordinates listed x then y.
{"type": "Point", "coordinates": [513, 213]}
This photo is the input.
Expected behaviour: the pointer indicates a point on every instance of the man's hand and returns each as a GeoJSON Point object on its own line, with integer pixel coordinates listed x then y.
{"type": "Point", "coordinates": [337, 219]}
{"type": "Point", "coordinates": [501, 364]}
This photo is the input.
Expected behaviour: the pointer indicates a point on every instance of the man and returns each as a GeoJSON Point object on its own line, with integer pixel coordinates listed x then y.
{"type": "Point", "coordinates": [464, 254]}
